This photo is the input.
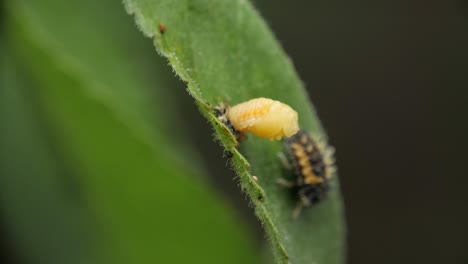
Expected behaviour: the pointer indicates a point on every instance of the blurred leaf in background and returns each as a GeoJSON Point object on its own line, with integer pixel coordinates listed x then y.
{"type": "Point", "coordinates": [94, 166]}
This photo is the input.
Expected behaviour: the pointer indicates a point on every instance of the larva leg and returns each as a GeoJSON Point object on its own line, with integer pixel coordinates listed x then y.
{"type": "Point", "coordinates": [329, 153]}
{"type": "Point", "coordinates": [297, 210]}
{"type": "Point", "coordinates": [285, 183]}
{"type": "Point", "coordinates": [284, 161]}
{"type": "Point", "coordinates": [330, 171]}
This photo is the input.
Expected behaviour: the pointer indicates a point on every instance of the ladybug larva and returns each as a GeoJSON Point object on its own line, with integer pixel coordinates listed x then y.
{"type": "Point", "coordinates": [312, 163]}
{"type": "Point", "coordinates": [263, 117]}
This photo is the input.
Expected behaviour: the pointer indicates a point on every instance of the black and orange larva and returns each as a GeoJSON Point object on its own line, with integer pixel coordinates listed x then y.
{"type": "Point", "coordinates": [313, 165]}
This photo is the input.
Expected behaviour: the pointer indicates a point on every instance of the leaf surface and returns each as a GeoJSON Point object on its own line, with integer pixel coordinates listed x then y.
{"type": "Point", "coordinates": [95, 115]}
{"type": "Point", "coordinates": [225, 53]}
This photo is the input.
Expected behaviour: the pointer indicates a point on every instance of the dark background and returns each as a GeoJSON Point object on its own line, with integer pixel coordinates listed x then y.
{"type": "Point", "coordinates": [389, 80]}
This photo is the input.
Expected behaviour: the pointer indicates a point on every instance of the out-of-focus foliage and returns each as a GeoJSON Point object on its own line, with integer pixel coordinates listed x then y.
{"type": "Point", "coordinates": [94, 168]}
{"type": "Point", "coordinates": [224, 51]}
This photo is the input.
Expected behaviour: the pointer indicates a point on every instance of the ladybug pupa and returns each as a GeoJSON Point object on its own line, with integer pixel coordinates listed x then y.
{"type": "Point", "coordinates": [312, 163]}
{"type": "Point", "coordinates": [263, 117]}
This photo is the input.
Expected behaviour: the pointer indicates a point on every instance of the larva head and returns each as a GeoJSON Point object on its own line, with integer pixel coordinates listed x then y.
{"type": "Point", "coordinates": [265, 118]}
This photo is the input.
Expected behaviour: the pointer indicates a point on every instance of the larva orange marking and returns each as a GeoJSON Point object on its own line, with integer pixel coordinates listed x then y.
{"type": "Point", "coordinates": [265, 118]}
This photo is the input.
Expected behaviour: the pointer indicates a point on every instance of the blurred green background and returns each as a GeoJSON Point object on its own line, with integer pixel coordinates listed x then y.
{"type": "Point", "coordinates": [388, 79]}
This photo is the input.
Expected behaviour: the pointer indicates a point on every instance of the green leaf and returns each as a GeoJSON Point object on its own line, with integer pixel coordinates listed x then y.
{"type": "Point", "coordinates": [37, 201]}
{"type": "Point", "coordinates": [105, 158]}
{"type": "Point", "coordinates": [224, 52]}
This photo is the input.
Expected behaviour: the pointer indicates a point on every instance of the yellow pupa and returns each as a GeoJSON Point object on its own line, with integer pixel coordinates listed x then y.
{"type": "Point", "coordinates": [265, 118]}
